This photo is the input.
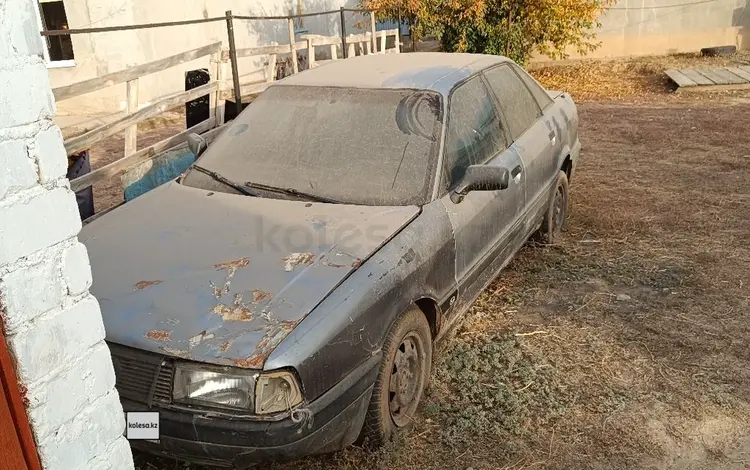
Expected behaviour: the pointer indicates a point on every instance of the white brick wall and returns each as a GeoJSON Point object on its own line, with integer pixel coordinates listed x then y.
{"type": "Point", "coordinates": [53, 326]}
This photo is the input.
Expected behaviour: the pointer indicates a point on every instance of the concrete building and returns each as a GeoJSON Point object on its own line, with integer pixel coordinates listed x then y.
{"type": "Point", "coordinates": [53, 357]}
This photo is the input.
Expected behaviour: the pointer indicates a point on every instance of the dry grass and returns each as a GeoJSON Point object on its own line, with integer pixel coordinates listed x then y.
{"type": "Point", "coordinates": [636, 79]}
{"type": "Point", "coordinates": [625, 345]}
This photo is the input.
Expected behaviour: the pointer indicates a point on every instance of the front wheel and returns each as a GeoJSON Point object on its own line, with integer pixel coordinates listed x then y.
{"type": "Point", "coordinates": [557, 211]}
{"type": "Point", "coordinates": [403, 376]}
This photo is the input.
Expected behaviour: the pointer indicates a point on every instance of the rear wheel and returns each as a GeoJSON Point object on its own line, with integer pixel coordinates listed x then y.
{"type": "Point", "coordinates": [403, 376]}
{"type": "Point", "coordinates": [557, 212]}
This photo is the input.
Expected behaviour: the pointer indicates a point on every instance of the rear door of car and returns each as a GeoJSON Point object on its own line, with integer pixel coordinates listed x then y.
{"type": "Point", "coordinates": [532, 131]}
{"type": "Point", "coordinates": [476, 134]}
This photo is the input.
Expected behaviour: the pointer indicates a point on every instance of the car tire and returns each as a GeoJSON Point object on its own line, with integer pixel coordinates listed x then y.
{"type": "Point", "coordinates": [402, 378]}
{"type": "Point", "coordinates": [557, 212]}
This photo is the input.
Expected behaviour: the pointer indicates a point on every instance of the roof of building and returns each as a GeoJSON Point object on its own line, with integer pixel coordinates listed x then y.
{"type": "Point", "coordinates": [422, 70]}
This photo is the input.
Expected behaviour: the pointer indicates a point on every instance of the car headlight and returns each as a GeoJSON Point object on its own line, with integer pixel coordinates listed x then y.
{"type": "Point", "coordinates": [222, 387]}
{"type": "Point", "coordinates": [237, 389]}
{"type": "Point", "coordinates": [276, 392]}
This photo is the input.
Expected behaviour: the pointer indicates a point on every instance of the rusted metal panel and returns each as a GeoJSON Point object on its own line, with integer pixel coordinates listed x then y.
{"type": "Point", "coordinates": [224, 278]}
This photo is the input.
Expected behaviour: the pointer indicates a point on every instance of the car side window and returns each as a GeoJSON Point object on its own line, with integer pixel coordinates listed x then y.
{"type": "Point", "coordinates": [475, 132]}
{"type": "Point", "coordinates": [540, 94]}
{"type": "Point", "coordinates": [516, 102]}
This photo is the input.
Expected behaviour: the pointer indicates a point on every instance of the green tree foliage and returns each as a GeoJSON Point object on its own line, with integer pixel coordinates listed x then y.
{"type": "Point", "coordinates": [514, 28]}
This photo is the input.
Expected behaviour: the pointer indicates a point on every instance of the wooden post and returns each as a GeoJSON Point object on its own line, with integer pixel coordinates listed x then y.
{"type": "Point", "coordinates": [374, 33]}
{"type": "Point", "coordinates": [216, 108]}
{"type": "Point", "coordinates": [131, 133]}
{"type": "Point", "coordinates": [383, 40]}
{"type": "Point", "coordinates": [398, 40]}
{"type": "Point", "coordinates": [368, 44]}
{"type": "Point", "coordinates": [292, 46]}
{"type": "Point", "coordinates": [271, 69]}
{"type": "Point", "coordinates": [334, 52]}
{"type": "Point", "coordinates": [350, 50]}
{"type": "Point", "coordinates": [217, 74]}
{"type": "Point", "coordinates": [310, 54]}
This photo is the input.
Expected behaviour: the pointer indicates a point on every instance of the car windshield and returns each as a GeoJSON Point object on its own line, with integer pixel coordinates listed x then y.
{"type": "Point", "coordinates": [350, 145]}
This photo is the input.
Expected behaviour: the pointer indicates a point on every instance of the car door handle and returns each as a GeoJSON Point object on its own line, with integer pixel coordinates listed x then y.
{"type": "Point", "coordinates": [515, 173]}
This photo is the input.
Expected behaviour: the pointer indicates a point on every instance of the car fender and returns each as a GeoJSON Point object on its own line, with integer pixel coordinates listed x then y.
{"type": "Point", "coordinates": [349, 326]}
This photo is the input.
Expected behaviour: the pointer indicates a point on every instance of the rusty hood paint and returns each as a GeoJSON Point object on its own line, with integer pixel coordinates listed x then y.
{"type": "Point", "coordinates": [223, 278]}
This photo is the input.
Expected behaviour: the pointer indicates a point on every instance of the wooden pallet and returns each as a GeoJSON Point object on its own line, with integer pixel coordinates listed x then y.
{"type": "Point", "coordinates": [711, 79]}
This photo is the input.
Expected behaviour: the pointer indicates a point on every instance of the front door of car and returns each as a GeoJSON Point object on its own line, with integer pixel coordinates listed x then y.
{"type": "Point", "coordinates": [476, 135]}
{"type": "Point", "coordinates": [533, 136]}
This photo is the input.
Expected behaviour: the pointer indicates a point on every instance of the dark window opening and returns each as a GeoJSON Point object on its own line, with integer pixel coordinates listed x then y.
{"type": "Point", "coordinates": [475, 131]}
{"type": "Point", "coordinates": [53, 17]}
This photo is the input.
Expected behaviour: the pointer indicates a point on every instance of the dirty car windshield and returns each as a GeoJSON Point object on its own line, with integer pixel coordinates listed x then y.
{"type": "Point", "coordinates": [358, 146]}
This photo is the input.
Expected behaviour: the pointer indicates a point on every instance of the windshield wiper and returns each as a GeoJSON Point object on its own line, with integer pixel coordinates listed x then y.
{"type": "Point", "coordinates": [239, 187]}
{"type": "Point", "coordinates": [291, 192]}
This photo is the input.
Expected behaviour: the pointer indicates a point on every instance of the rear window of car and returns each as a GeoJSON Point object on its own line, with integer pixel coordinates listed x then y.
{"type": "Point", "coordinates": [357, 146]}
{"type": "Point", "coordinates": [516, 102]}
{"type": "Point", "coordinates": [539, 93]}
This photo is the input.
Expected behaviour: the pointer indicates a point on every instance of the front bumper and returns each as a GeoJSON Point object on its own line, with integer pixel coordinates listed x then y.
{"type": "Point", "coordinates": [198, 437]}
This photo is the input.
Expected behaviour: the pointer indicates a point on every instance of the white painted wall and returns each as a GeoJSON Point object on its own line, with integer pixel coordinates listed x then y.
{"type": "Point", "coordinates": [52, 324]}
{"type": "Point", "coordinates": [643, 27]}
{"type": "Point", "coordinates": [101, 53]}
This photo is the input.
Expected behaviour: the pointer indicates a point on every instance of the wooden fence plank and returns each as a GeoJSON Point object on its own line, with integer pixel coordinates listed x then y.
{"type": "Point", "coordinates": [679, 78]}
{"type": "Point", "coordinates": [247, 89]}
{"type": "Point", "coordinates": [131, 133]}
{"type": "Point", "coordinates": [740, 72]}
{"type": "Point", "coordinates": [310, 53]}
{"type": "Point", "coordinates": [218, 73]}
{"type": "Point", "coordinates": [693, 75]}
{"type": "Point", "coordinates": [709, 74]}
{"type": "Point", "coordinates": [728, 76]}
{"type": "Point", "coordinates": [87, 86]}
{"type": "Point", "coordinates": [120, 166]}
{"type": "Point", "coordinates": [292, 44]}
{"type": "Point", "coordinates": [84, 141]}
{"type": "Point", "coordinates": [374, 33]}
{"type": "Point", "coordinates": [261, 50]}
{"type": "Point", "coordinates": [271, 68]}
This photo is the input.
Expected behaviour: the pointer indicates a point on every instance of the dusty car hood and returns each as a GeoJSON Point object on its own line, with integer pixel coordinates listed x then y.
{"type": "Point", "coordinates": [224, 278]}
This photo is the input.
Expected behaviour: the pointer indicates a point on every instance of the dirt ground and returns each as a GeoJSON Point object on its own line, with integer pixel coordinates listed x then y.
{"type": "Point", "coordinates": [625, 345]}
{"type": "Point", "coordinates": [109, 193]}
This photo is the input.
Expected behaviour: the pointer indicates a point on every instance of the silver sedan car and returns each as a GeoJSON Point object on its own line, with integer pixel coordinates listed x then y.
{"type": "Point", "coordinates": [283, 296]}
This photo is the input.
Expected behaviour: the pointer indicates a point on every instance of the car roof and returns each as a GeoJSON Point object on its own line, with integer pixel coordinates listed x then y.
{"type": "Point", "coordinates": [437, 71]}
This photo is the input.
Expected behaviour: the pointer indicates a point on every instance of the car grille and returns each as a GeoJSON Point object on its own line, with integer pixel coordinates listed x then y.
{"type": "Point", "coordinates": [142, 376]}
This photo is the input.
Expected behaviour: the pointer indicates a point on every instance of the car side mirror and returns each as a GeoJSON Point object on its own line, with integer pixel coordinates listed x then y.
{"type": "Point", "coordinates": [480, 178]}
{"type": "Point", "coordinates": [196, 143]}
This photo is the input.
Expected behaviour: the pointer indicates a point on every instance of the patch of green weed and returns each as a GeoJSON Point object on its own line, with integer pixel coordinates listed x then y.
{"type": "Point", "coordinates": [492, 386]}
